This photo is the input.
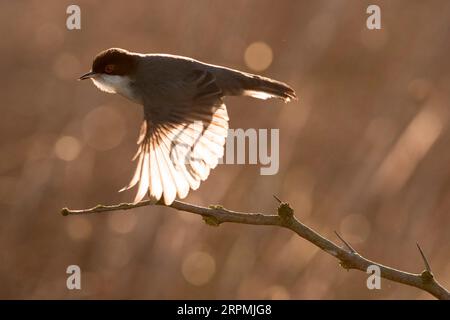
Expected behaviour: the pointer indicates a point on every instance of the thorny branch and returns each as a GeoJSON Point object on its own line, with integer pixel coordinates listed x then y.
{"type": "Point", "coordinates": [349, 258]}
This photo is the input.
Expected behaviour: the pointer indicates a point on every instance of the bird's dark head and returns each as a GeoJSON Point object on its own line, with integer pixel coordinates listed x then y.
{"type": "Point", "coordinates": [114, 62]}
{"type": "Point", "coordinates": [113, 71]}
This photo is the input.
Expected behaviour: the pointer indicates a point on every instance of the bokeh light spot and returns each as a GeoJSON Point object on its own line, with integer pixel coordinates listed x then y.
{"type": "Point", "coordinates": [258, 56]}
{"type": "Point", "coordinates": [198, 268]}
{"type": "Point", "coordinates": [78, 228]}
{"type": "Point", "coordinates": [67, 148]}
{"type": "Point", "coordinates": [277, 293]}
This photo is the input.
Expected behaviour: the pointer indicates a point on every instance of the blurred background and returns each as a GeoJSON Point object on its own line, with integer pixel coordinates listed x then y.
{"type": "Point", "coordinates": [365, 150]}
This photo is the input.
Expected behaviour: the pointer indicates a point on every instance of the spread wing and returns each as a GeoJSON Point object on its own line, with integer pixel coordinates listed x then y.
{"type": "Point", "coordinates": [182, 138]}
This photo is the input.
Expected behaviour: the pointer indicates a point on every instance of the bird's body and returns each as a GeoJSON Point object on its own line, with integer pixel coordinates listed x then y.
{"type": "Point", "coordinates": [185, 120]}
{"type": "Point", "coordinates": [159, 73]}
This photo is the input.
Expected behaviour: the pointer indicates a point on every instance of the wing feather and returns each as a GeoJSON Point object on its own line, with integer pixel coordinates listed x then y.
{"type": "Point", "coordinates": [181, 139]}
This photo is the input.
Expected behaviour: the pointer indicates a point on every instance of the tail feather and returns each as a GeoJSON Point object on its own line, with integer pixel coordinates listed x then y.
{"type": "Point", "coordinates": [235, 83]}
{"type": "Point", "coordinates": [264, 88]}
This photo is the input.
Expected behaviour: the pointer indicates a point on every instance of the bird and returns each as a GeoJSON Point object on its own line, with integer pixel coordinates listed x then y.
{"type": "Point", "coordinates": [185, 123]}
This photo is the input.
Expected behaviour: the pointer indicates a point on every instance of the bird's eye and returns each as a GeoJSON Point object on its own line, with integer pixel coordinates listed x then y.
{"type": "Point", "coordinates": [109, 68]}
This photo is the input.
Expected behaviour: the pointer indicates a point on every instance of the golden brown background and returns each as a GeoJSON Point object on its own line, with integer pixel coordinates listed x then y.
{"type": "Point", "coordinates": [364, 151]}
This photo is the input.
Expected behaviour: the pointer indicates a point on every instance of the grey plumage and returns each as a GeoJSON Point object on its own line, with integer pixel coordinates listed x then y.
{"type": "Point", "coordinates": [165, 72]}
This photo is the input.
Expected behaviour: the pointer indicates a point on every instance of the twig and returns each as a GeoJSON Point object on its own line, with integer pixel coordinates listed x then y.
{"type": "Point", "coordinates": [215, 215]}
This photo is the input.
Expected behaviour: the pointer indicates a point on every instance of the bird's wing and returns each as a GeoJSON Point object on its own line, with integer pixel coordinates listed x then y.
{"type": "Point", "coordinates": [182, 138]}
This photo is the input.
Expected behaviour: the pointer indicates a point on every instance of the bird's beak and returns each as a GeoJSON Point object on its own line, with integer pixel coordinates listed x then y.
{"type": "Point", "coordinates": [88, 75]}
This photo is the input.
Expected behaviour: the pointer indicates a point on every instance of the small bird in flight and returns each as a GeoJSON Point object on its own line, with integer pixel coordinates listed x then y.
{"type": "Point", "coordinates": [185, 122]}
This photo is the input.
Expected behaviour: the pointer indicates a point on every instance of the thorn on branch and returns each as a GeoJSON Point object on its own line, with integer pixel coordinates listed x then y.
{"type": "Point", "coordinates": [349, 247]}
{"type": "Point", "coordinates": [427, 274]}
{"type": "Point", "coordinates": [278, 199]}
